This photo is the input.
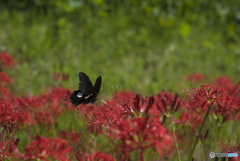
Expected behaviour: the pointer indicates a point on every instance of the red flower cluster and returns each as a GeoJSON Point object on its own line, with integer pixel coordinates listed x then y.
{"type": "Point", "coordinates": [210, 94]}
{"type": "Point", "coordinates": [143, 133]}
{"type": "Point", "coordinates": [5, 60]}
{"type": "Point", "coordinates": [4, 78]}
{"type": "Point", "coordinates": [60, 77]}
{"type": "Point", "coordinates": [72, 138]}
{"type": "Point", "coordinates": [225, 82]}
{"type": "Point", "coordinates": [7, 146]}
{"type": "Point", "coordinates": [190, 118]}
{"type": "Point", "coordinates": [10, 114]}
{"type": "Point", "coordinates": [195, 77]}
{"type": "Point", "coordinates": [167, 103]}
{"type": "Point", "coordinates": [43, 148]}
{"type": "Point", "coordinates": [45, 107]}
{"type": "Point", "coordinates": [98, 156]}
{"type": "Point", "coordinates": [102, 118]}
{"type": "Point", "coordinates": [139, 106]}
{"type": "Point", "coordinates": [129, 122]}
{"type": "Point", "coordinates": [229, 148]}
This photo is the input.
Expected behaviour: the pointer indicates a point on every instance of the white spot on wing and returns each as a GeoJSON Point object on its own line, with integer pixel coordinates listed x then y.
{"type": "Point", "coordinates": [79, 95]}
{"type": "Point", "coordinates": [88, 96]}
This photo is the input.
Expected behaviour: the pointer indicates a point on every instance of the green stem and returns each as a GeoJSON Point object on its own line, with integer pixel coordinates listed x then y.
{"type": "Point", "coordinates": [202, 152]}
{"type": "Point", "coordinates": [199, 132]}
{"type": "Point", "coordinates": [175, 140]}
{"type": "Point", "coordinates": [110, 140]}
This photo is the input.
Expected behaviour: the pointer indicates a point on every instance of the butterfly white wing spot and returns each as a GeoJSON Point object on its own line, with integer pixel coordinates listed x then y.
{"type": "Point", "coordinates": [79, 95]}
{"type": "Point", "coordinates": [88, 96]}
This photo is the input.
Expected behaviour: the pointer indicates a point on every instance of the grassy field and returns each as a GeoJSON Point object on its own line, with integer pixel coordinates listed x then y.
{"type": "Point", "coordinates": [143, 56]}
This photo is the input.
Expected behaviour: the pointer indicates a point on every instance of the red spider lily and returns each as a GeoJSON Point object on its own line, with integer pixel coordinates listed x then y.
{"type": "Point", "coordinates": [71, 138]}
{"type": "Point", "coordinates": [7, 147]}
{"type": "Point", "coordinates": [167, 103]}
{"type": "Point", "coordinates": [28, 103]}
{"type": "Point", "coordinates": [98, 156]}
{"type": "Point", "coordinates": [44, 148]}
{"type": "Point", "coordinates": [50, 113]}
{"type": "Point", "coordinates": [98, 118]}
{"type": "Point", "coordinates": [4, 92]}
{"type": "Point", "coordinates": [42, 117]}
{"type": "Point", "coordinates": [58, 76]}
{"type": "Point", "coordinates": [10, 114]}
{"type": "Point", "coordinates": [225, 82]}
{"type": "Point", "coordinates": [102, 117]}
{"type": "Point", "coordinates": [4, 78]}
{"type": "Point", "coordinates": [190, 118]}
{"type": "Point", "coordinates": [45, 107]}
{"type": "Point", "coordinates": [143, 133]}
{"type": "Point", "coordinates": [211, 94]}
{"type": "Point", "coordinates": [228, 148]}
{"type": "Point", "coordinates": [195, 77]}
{"type": "Point", "coordinates": [138, 106]}
{"type": "Point", "coordinates": [5, 60]}
{"type": "Point", "coordinates": [58, 94]}
{"type": "Point", "coordinates": [121, 96]}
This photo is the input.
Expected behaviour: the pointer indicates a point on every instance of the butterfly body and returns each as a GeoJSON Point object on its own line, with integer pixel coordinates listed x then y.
{"type": "Point", "coordinates": [87, 93]}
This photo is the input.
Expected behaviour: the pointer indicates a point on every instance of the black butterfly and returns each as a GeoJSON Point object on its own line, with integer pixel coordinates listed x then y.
{"type": "Point", "coordinates": [87, 93]}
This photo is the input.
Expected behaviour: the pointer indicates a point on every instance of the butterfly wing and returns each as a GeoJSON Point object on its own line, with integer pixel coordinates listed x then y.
{"type": "Point", "coordinates": [97, 87]}
{"type": "Point", "coordinates": [75, 99]}
{"type": "Point", "coordinates": [85, 85]}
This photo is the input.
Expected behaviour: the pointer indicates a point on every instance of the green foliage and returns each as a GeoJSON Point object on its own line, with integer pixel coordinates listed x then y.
{"type": "Point", "coordinates": [144, 46]}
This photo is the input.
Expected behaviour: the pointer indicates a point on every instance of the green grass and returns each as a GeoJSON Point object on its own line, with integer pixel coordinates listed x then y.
{"type": "Point", "coordinates": [125, 54]}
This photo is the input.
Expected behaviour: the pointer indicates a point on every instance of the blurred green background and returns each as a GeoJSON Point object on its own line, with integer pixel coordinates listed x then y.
{"type": "Point", "coordinates": [144, 46]}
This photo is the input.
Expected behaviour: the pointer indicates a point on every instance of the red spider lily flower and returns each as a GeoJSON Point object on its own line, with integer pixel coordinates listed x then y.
{"type": "Point", "coordinates": [99, 118]}
{"type": "Point", "coordinates": [210, 94]}
{"type": "Point", "coordinates": [42, 117]}
{"type": "Point", "coordinates": [228, 148]}
{"type": "Point", "coordinates": [167, 103]}
{"type": "Point", "coordinates": [4, 78]}
{"type": "Point", "coordinates": [7, 147]}
{"type": "Point", "coordinates": [10, 114]}
{"type": "Point", "coordinates": [45, 106]}
{"type": "Point", "coordinates": [138, 106]}
{"type": "Point", "coordinates": [225, 82]}
{"type": "Point", "coordinates": [28, 103]}
{"type": "Point", "coordinates": [102, 118]}
{"type": "Point", "coordinates": [195, 77]}
{"type": "Point", "coordinates": [6, 60]}
{"type": "Point", "coordinates": [121, 96]}
{"type": "Point", "coordinates": [96, 129]}
{"type": "Point", "coordinates": [48, 105]}
{"type": "Point", "coordinates": [79, 156]}
{"type": "Point", "coordinates": [58, 94]}
{"type": "Point", "coordinates": [72, 137]}
{"type": "Point", "coordinates": [4, 92]}
{"type": "Point", "coordinates": [98, 156]}
{"type": "Point", "coordinates": [190, 118]}
{"type": "Point", "coordinates": [143, 133]}
{"type": "Point", "coordinates": [58, 77]}
{"type": "Point", "coordinates": [102, 156]}
{"type": "Point", "coordinates": [44, 148]}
